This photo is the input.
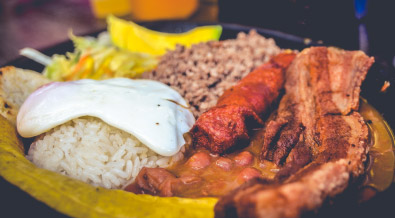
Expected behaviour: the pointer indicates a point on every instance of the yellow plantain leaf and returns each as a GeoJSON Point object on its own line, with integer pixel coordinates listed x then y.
{"type": "Point", "coordinates": [78, 199]}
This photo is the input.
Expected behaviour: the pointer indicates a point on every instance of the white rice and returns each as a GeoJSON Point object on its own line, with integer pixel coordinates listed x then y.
{"type": "Point", "coordinates": [96, 153]}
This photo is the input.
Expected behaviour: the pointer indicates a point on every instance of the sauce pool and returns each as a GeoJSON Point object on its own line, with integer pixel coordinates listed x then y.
{"type": "Point", "coordinates": [380, 173]}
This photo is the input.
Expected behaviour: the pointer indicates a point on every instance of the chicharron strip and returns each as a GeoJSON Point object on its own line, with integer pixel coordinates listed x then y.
{"type": "Point", "coordinates": [317, 138]}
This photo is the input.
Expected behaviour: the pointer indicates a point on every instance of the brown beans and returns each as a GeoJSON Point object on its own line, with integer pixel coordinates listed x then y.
{"type": "Point", "coordinates": [245, 158]}
{"type": "Point", "coordinates": [199, 161]}
{"type": "Point", "coordinates": [247, 174]}
{"type": "Point", "coordinates": [156, 181]}
{"type": "Point", "coordinates": [224, 163]}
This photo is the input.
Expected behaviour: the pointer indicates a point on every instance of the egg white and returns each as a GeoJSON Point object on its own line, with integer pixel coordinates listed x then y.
{"type": "Point", "coordinates": [151, 111]}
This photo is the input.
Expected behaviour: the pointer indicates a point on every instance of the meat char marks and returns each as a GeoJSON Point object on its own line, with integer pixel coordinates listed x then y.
{"type": "Point", "coordinates": [317, 138]}
{"type": "Point", "coordinates": [241, 107]}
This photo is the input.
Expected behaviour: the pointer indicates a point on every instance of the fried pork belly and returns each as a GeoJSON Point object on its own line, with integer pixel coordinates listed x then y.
{"type": "Point", "coordinates": [317, 138]}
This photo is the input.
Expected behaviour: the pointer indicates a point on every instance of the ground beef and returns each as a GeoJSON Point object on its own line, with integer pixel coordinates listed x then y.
{"type": "Point", "coordinates": [203, 72]}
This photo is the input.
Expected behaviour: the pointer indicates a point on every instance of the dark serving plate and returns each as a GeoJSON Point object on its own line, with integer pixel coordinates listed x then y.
{"type": "Point", "coordinates": [16, 203]}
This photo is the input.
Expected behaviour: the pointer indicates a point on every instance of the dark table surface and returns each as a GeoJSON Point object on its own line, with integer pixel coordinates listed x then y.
{"type": "Point", "coordinates": [40, 24]}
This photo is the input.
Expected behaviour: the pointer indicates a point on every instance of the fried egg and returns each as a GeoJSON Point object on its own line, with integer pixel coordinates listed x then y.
{"type": "Point", "coordinates": [153, 112]}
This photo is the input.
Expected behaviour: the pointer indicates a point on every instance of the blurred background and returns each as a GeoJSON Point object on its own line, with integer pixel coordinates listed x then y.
{"type": "Point", "coordinates": [350, 24]}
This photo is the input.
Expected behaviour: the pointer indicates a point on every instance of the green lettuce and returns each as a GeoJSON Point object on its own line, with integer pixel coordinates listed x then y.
{"type": "Point", "coordinates": [97, 58]}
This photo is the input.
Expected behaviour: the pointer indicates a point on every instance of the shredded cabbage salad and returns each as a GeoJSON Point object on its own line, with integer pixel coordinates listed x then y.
{"type": "Point", "coordinates": [93, 58]}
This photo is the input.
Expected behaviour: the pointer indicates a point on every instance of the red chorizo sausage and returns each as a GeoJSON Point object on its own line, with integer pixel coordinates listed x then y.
{"type": "Point", "coordinates": [241, 107]}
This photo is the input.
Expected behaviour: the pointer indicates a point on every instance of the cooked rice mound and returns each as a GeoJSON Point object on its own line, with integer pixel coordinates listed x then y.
{"type": "Point", "coordinates": [94, 152]}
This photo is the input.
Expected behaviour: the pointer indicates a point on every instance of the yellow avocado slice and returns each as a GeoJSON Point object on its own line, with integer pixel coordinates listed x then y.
{"type": "Point", "coordinates": [78, 199]}
{"type": "Point", "coordinates": [130, 36]}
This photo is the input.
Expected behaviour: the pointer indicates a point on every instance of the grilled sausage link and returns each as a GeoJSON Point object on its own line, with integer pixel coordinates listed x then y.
{"type": "Point", "coordinates": [241, 108]}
